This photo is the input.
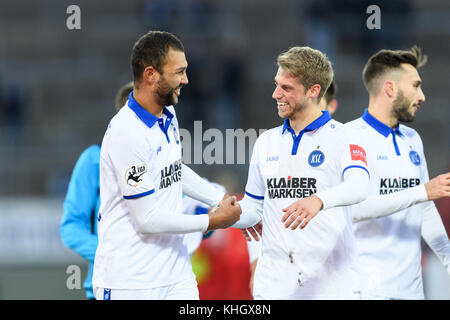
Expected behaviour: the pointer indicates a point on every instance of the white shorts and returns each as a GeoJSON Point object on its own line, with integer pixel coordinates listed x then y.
{"type": "Point", "coordinates": [184, 290]}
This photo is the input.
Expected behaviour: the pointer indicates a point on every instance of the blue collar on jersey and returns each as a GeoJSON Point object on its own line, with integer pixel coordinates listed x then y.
{"type": "Point", "coordinates": [316, 124]}
{"type": "Point", "coordinates": [383, 129]}
{"type": "Point", "coordinates": [148, 118]}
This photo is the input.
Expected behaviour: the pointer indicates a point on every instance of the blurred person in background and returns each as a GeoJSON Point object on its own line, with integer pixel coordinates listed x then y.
{"type": "Point", "coordinates": [82, 201]}
{"type": "Point", "coordinates": [329, 101]}
{"type": "Point", "coordinates": [399, 210]}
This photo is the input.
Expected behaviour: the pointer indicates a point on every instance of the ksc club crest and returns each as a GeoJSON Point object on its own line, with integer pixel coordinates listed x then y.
{"type": "Point", "coordinates": [133, 176]}
{"type": "Point", "coordinates": [414, 157]}
{"type": "Point", "coordinates": [316, 158]}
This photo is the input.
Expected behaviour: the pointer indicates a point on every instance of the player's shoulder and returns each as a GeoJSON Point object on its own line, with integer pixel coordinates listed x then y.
{"type": "Point", "coordinates": [126, 124]}
{"type": "Point", "coordinates": [91, 154]}
{"type": "Point", "coordinates": [269, 133]}
{"type": "Point", "coordinates": [334, 125]}
{"type": "Point", "coordinates": [356, 127]}
{"type": "Point", "coordinates": [356, 123]}
{"type": "Point", "coordinates": [408, 131]}
{"type": "Point", "coordinates": [92, 150]}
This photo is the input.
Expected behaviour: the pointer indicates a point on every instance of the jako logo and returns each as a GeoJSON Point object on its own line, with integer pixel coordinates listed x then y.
{"type": "Point", "coordinates": [316, 158]}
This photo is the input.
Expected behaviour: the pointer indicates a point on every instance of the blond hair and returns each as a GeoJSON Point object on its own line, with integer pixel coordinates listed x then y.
{"type": "Point", "coordinates": [309, 66]}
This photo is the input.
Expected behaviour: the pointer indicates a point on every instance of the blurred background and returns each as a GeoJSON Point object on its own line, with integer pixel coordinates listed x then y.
{"type": "Point", "coordinates": [57, 90]}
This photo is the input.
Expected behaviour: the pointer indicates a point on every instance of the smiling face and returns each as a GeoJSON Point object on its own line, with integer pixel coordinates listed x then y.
{"type": "Point", "coordinates": [289, 93]}
{"type": "Point", "coordinates": [410, 94]}
{"type": "Point", "coordinates": [172, 78]}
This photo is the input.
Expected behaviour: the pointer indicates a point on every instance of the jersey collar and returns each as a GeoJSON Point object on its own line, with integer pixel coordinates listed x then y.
{"type": "Point", "coordinates": [146, 117]}
{"type": "Point", "coordinates": [316, 124]}
{"type": "Point", "coordinates": [379, 126]}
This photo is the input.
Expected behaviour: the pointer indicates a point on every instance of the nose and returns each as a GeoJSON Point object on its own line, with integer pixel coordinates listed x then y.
{"type": "Point", "coordinates": [276, 93]}
{"type": "Point", "coordinates": [422, 96]}
{"type": "Point", "coordinates": [184, 79]}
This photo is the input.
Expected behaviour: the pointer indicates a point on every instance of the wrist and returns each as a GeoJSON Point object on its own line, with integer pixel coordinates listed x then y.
{"type": "Point", "coordinates": [318, 201]}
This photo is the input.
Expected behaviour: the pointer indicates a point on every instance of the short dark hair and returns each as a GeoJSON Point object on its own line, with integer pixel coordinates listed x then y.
{"type": "Point", "coordinates": [386, 60]}
{"type": "Point", "coordinates": [122, 95]}
{"type": "Point", "coordinates": [151, 50]}
{"type": "Point", "coordinates": [331, 92]}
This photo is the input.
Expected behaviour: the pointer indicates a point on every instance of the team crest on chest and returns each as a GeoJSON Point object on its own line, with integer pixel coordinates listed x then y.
{"type": "Point", "coordinates": [414, 157]}
{"type": "Point", "coordinates": [316, 158]}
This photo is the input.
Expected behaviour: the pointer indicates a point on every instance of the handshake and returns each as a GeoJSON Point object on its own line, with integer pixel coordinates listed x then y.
{"type": "Point", "coordinates": [225, 214]}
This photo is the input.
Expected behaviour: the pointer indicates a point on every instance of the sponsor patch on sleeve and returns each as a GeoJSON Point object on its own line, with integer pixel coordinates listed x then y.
{"type": "Point", "coordinates": [358, 153]}
{"type": "Point", "coordinates": [134, 175]}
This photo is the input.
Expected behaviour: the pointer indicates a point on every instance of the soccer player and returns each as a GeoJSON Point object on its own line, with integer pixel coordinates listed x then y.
{"type": "Point", "coordinates": [79, 222]}
{"type": "Point", "coordinates": [389, 224]}
{"type": "Point", "coordinates": [307, 165]}
{"type": "Point", "coordinates": [327, 103]}
{"type": "Point", "coordinates": [140, 253]}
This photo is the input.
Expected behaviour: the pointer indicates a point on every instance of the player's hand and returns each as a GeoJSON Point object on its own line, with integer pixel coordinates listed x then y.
{"type": "Point", "coordinates": [438, 187]}
{"type": "Point", "coordinates": [225, 196]}
{"type": "Point", "coordinates": [301, 212]}
{"type": "Point", "coordinates": [226, 214]}
{"type": "Point", "coordinates": [255, 232]}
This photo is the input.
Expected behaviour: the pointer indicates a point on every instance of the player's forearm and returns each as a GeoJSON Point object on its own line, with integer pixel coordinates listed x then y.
{"type": "Point", "coordinates": [352, 190]}
{"type": "Point", "coordinates": [435, 235]}
{"type": "Point", "coordinates": [383, 205]}
{"type": "Point", "coordinates": [199, 189]}
{"type": "Point", "coordinates": [251, 212]}
{"type": "Point", "coordinates": [152, 218]}
{"type": "Point", "coordinates": [79, 238]}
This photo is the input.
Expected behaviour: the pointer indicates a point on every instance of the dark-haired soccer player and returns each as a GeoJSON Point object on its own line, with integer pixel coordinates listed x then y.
{"type": "Point", "coordinates": [389, 224]}
{"type": "Point", "coordinates": [140, 253]}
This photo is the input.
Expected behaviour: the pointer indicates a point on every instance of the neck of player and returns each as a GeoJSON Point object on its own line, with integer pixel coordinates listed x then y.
{"type": "Point", "coordinates": [304, 116]}
{"type": "Point", "coordinates": [148, 101]}
{"type": "Point", "coordinates": [379, 111]}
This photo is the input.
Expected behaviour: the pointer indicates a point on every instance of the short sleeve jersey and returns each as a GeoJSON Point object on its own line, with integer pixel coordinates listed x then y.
{"type": "Point", "coordinates": [319, 261]}
{"type": "Point", "coordinates": [389, 248]}
{"type": "Point", "coordinates": [140, 157]}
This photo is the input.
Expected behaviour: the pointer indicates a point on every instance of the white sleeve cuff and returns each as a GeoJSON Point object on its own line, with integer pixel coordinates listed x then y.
{"type": "Point", "coordinates": [251, 212]}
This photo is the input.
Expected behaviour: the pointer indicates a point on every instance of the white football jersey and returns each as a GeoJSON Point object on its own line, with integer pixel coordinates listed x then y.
{"type": "Point", "coordinates": [389, 248]}
{"type": "Point", "coordinates": [140, 157]}
{"type": "Point", "coordinates": [319, 261]}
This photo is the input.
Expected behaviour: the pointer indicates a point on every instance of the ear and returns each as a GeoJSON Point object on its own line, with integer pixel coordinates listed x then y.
{"type": "Point", "coordinates": [389, 88]}
{"type": "Point", "coordinates": [314, 91]}
{"type": "Point", "coordinates": [150, 74]}
{"type": "Point", "coordinates": [332, 106]}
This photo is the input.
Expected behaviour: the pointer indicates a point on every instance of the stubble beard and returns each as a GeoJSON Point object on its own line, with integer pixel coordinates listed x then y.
{"type": "Point", "coordinates": [166, 94]}
{"type": "Point", "coordinates": [401, 108]}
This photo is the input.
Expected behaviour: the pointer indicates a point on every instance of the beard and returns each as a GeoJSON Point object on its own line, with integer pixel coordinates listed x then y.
{"type": "Point", "coordinates": [402, 108]}
{"type": "Point", "coordinates": [166, 94]}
